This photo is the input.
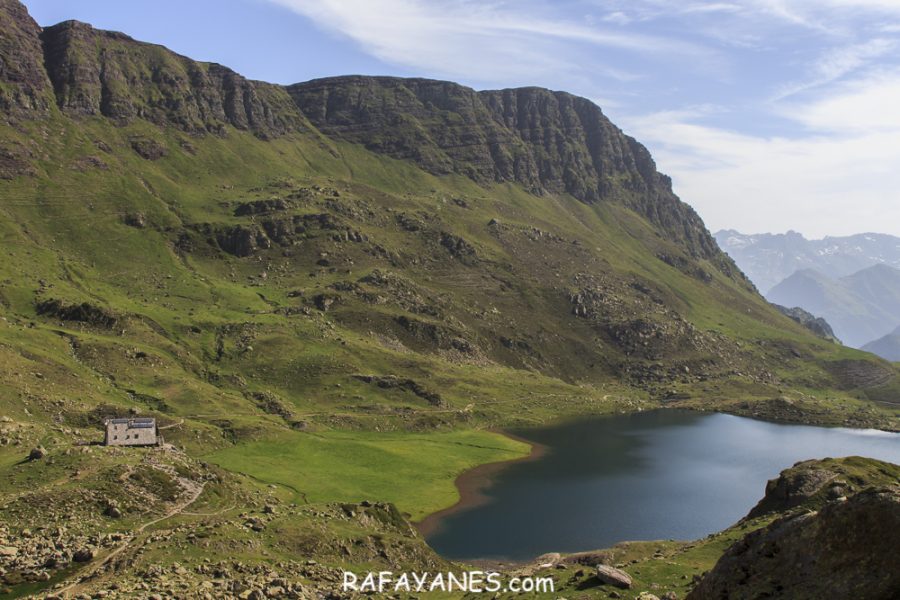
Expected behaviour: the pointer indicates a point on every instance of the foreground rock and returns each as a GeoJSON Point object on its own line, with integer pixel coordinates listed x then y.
{"type": "Point", "coordinates": [612, 576]}
{"type": "Point", "coordinates": [846, 550]}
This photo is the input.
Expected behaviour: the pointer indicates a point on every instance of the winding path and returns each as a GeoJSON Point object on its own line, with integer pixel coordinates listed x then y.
{"type": "Point", "coordinates": [195, 491]}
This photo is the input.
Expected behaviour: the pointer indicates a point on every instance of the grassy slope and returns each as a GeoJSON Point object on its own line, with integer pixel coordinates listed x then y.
{"type": "Point", "coordinates": [64, 238]}
{"type": "Point", "coordinates": [199, 332]}
{"type": "Point", "coordinates": [414, 471]}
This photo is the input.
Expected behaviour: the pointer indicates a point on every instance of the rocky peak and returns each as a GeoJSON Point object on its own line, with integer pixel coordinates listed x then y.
{"type": "Point", "coordinates": [108, 73]}
{"type": "Point", "coordinates": [24, 86]}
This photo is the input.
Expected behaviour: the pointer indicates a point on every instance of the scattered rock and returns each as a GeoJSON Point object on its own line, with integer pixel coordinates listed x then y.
{"type": "Point", "coordinates": [613, 576]}
{"type": "Point", "coordinates": [148, 149]}
{"type": "Point", "coordinates": [83, 555]}
{"type": "Point", "coordinates": [136, 220]}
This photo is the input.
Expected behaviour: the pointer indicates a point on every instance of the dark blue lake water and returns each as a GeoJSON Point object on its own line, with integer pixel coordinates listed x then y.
{"type": "Point", "coordinates": [654, 475]}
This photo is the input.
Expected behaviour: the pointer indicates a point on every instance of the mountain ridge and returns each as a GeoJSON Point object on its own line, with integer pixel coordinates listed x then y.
{"type": "Point", "coordinates": [887, 347]}
{"type": "Point", "coordinates": [767, 259]}
{"type": "Point", "coordinates": [525, 135]}
{"type": "Point", "coordinates": [546, 141]}
{"type": "Point", "coordinates": [183, 244]}
{"type": "Point", "coordinates": [860, 307]}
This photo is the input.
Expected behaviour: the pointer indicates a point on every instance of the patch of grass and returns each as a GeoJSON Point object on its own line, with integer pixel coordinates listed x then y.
{"type": "Point", "coordinates": [414, 471]}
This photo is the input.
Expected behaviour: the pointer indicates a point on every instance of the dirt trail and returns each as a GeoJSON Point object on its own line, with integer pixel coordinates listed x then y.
{"type": "Point", "coordinates": [171, 425]}
{"type": "Point", "coordinates": [193, 490]}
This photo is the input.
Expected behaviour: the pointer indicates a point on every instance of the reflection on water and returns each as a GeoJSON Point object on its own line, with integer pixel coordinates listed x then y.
{"type": "Point", "coordinates": [656, 475]}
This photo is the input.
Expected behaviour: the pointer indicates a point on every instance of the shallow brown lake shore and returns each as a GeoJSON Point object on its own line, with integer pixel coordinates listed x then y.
{"type": "Point", "coordinates": [472, 483]}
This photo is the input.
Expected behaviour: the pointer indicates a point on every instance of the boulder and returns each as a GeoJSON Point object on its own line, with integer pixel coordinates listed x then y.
{"type": "Point", "coordinates": [613, 576]}
{"type": "Point", "coordinates": [83, 555]}
{"type": "Point", "coordinates": [37, 453]}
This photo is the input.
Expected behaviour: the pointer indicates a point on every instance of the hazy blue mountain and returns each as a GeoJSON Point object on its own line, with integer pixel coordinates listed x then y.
{"type": "Point", "coordinates": [768, 258]}
{"type": "Point", "coordinates": [887, 347]}
{"type": "Point", "coordinates": [860, 307]}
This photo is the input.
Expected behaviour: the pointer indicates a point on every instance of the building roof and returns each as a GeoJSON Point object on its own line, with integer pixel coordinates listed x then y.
{"type": "Point", "coordinates": [140, 422]}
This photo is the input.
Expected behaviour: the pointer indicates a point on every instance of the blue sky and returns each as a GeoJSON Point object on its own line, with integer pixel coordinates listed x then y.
{"type": "Point", "coordinates": [769, 114]}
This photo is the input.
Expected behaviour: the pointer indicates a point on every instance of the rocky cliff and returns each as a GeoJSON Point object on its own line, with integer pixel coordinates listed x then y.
{"type": "Point", "coordinates": [109, 74]}
{"type": "Point", "coordinates": [846, 550]}
{"type": "Point", "coordinates": [549, 142]}
{"type": "Point", "coordinates": [24, 87]}
{"type": "Point", "coordinates": [88, 72]}
{"type": "Point", "coordinates": [546, 141]}
{"type": "Point", "coordinates": [835, 536]}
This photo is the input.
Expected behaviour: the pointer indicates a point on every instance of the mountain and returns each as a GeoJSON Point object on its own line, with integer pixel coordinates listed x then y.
{"type": "Point", "coordinates": [887, 347]}
{"type": "Point", "coordinates": [767, 258]}
{"type": "Point", "coordinates": [361, 275]}
{"type": "Point", "coordinates": [860, 307]}
{"type": "Point", "coordinates": [817, 325]}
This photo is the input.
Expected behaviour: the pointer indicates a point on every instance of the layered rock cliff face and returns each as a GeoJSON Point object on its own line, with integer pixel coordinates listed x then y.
{"type": "Point", "coordinates": [109, 74]}
{"type": "Point", "coordinates": [23, 82]}
{"type": "Point", "coordinates": [547, 141]}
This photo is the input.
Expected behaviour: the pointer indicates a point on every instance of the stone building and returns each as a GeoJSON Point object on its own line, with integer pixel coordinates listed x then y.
{"type": "Point", "coordinates": [131, 432]}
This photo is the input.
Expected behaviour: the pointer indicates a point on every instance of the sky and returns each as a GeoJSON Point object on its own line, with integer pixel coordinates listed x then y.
{"type": "Point", "coordinates": [770, 115]}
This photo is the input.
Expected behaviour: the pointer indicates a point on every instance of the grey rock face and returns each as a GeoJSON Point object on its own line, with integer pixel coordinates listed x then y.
{"type": "Point", "coordinates": [613, 576]}
{"type": "Point", "coordinates": [846, 550]}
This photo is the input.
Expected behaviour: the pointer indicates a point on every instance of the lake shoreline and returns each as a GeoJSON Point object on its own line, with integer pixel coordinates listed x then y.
{"type": "Point", "coordinates": [635, 431]}
{"type": "Point", "coordinates": [472, 482]}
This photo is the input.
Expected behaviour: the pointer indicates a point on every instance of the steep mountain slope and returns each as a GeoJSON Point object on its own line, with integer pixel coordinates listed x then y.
{"type": "Point", "coordinates": [183, 243]}
{"type": "Point", "coordinates": [546, 141]}
{"type": "Point", "coordinates": [860, 307]}
{"type": "Point", "coordinates": [887, 347]}
{"type": "Point", "coordinates": [767, 258]}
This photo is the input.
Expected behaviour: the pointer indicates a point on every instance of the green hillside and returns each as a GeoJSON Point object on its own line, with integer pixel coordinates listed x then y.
{"type": "Point", "coordinates": [271, 282]}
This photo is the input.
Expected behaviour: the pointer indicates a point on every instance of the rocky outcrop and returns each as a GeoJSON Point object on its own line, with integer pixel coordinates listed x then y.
{"type": "Point", "coordinates": [546, 141]}
{"type": "Point", "coordinates": [391, 382]}
{"type": "Point", "coordinates": [81, 313]}
{"type": "Point", "coordinates": [107, 73]}
{"type": "Point", "coordinates": [24, 87]}
{"type": "Point", "coordinates": [817, 325]}
{"type": "Point", "coordinates": [793, 487]}
{"type": "Point", "coordinates": [846, 550]}
{"type": "Point", "coordinates": [88, 72]}
{"type": "Point", "coordinates": [613, 576]}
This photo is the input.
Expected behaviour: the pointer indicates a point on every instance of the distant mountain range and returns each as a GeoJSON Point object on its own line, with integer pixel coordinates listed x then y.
{"type": "Point", "coordinates": [887, 347]}
{"type": "Point", "coordinates": [860, 307]}
{"type": "Point", "coordinates": [767, 259]}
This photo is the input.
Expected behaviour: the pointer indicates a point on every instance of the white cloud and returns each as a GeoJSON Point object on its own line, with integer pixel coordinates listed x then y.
{"type": "Point", "coordinates": [832, 90]}
{"type": "Point", "coordinates": [838, 62]}
{"type": "Point", "coordinates": [841, 178]}
{"type": "Point", "coordinates": [479, 40]}
{"type": "Point", "coordinates": [860, 106]}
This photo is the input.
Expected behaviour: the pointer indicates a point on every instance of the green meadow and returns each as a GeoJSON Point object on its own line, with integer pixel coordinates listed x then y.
{"type": "Point", "coordinates": [414, 471]}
